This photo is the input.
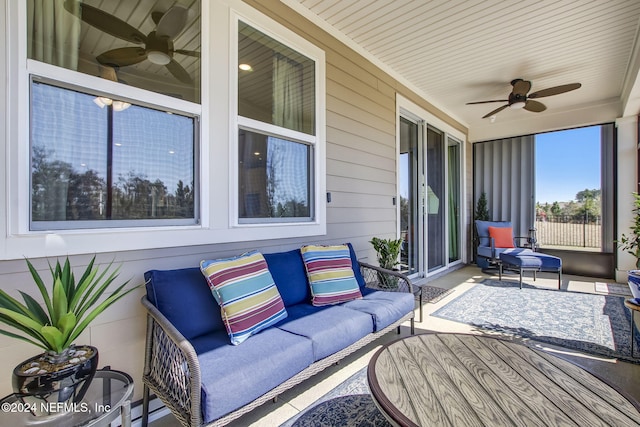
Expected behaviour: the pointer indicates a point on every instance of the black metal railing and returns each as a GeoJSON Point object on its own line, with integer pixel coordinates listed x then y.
{"type": "Point", "coordinates": [569, 230]}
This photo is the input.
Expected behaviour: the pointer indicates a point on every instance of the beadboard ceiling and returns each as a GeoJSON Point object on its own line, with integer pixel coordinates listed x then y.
{"type": "Point", "coordinates": [456, 51]}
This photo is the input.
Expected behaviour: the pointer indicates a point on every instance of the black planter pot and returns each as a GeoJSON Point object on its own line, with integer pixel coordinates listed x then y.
{"type": "Point", "coordinates": [68, 384]}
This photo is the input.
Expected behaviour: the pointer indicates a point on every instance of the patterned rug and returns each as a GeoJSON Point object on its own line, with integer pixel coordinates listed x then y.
{"type": "Point", "coordinates": [348, 405]}
{"type": "Point", "coordinates": [612, 289]}
{"type": "Point", "coordinates": [596, 324]}
{"type": "Point", "coordinates": [434, 294]}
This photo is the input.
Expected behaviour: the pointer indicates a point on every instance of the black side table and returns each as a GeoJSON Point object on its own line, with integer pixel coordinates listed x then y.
{"type": "Point", "coordinates": [107, 398]}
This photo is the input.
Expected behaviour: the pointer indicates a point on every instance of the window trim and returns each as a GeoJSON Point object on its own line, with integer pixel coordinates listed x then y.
{"type": "Point", "coordinates": [316, 140]}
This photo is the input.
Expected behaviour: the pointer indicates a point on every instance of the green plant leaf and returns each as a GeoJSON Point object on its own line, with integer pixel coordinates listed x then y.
{"type": "Point", "coordinates": [23, 338]}
{"type": "Point", "coordinates": [6, 301]}
{"type": "Point", "coordinates": [66, 324]}
{"type": "Point", "coordinates": [81, 291]}
{"type": "Point", "coordinates": [95, 291]}
{"type": "Point", "coordinates": [41, 286]}
{"type": "Point", "coordinates": [115, 296]}
{"type": "Point", "coordinates": [34, 333]}
{"type": "Point", "coordinates": [60, 303]}
{"type": "Point", "coordinates": [54, 337]}
{"type": "Point", "coordinates": [85, 280]}
{"type": "Point", "coordinates": [21, 319]}
{"type": "Point", "coordinates": [37, 313]}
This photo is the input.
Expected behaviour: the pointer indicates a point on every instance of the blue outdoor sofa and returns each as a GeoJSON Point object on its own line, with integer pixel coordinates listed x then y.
{"type": "Point", "coordinates": [191, 366]}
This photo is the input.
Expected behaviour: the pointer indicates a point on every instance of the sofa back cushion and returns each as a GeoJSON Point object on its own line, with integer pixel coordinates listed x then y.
{"type": "Point", "coordinates": [246, 293]}
{"type": "Point", "coordinates": [330, 273]}
{"type": "Point", "coordinates": [184, 298]}
{"type": "Point", "coordinates": [356, 266]}
{"type": "Point", "coordinates": [287, 270]}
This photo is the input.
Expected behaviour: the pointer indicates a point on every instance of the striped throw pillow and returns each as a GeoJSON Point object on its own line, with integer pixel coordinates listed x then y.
{"type": "Point", "coordinates": [330, 274]}
{"type": "Point", "coordinates": [248, 297]}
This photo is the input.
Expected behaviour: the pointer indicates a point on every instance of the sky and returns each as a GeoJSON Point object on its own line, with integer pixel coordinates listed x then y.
{"type": "Point", "coordinates": [567, 162]}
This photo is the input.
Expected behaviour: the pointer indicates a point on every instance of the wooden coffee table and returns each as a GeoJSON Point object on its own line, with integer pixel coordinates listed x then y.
{"type": "Point", "coordinates": [471, 380]}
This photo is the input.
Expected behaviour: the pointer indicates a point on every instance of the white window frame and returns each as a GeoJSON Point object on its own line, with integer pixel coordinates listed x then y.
{"type": "Point", "coordinates": [316, 142]}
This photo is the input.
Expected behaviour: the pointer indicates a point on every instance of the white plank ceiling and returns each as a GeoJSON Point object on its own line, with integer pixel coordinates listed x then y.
{"type": "Point", "coordinates": [457, 51]}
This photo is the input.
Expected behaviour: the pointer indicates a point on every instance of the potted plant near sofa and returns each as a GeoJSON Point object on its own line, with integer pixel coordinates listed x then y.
{"type": "Point", "coordinates": [64, 370]}
{"type": "Point", "coordinates": [388, 251]}
{"type": "Point", "coordinates": [631, 244]}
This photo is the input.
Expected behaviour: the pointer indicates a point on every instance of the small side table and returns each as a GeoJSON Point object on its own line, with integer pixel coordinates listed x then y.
{"type": "Point", "coordinates": [107, 398]}
{"type": "Point", "coordinates": [631, 304]}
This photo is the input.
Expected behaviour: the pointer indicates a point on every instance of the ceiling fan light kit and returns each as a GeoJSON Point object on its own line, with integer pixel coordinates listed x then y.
{"type": "Point", "coordinates": [520, 98]}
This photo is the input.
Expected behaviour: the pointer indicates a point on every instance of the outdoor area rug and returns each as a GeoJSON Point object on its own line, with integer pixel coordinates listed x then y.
{"type": "Point", "coordinates": [612, 289]}
{"type": "Point", "coordinates": [596, 324]}
{"type": "Point", "coordinates": [434, 294]}
{"type": "Point", "coordinates": [348, 405]}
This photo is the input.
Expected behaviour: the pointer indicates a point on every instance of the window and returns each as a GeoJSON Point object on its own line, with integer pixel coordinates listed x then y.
{"type": "Point", "coordinates": [98, 162]}
{"type": "Point", "coordinates": [119, 150]}
{"type": "Point", "coordinates": [277, 130]}
{"type": "Point", "coordinates": [156, 50]}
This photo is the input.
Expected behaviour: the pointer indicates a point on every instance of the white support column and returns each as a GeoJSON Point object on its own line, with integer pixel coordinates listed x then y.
{"type": "Point", "coordinates": [627, 128]}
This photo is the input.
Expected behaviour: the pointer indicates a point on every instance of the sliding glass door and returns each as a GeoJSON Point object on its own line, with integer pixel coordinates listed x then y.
{"type": "Point", "coordinates": [430, 197]}
{"type": "Point", "coordinates": [411, 179]}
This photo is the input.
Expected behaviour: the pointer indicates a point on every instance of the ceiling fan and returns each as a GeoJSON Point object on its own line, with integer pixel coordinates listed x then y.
{"type": "Point", "coordinates": [518, 97]}
{"type": "Point", "coordinates": [158, 44]}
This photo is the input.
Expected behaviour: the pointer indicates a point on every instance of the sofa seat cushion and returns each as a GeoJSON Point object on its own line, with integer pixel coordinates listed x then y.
{"type": "Point", "coordinates": [233, 376]}
{"type": "Point", "coordinates": [384, 307]}
{"type": "Point", "coordinates": [184, 297]}
{"type": "Point", "coordinates": [330, 328]}
{"type": "Point", "coordinates": [287, 270]}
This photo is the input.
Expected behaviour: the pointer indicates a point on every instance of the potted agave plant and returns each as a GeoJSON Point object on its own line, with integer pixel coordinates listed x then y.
{"type": "Point", "coordinates": [64, 370]}
{"type": "Point", "coordinates": [388, 251]}
{"type": "Point", "coordinates": [631, 244]}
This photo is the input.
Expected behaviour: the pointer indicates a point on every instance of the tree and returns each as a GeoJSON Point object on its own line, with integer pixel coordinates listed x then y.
{"type": "Point", "coordinates": [586, 194]}
{"type": "Point", "coordinates": [482, 212]}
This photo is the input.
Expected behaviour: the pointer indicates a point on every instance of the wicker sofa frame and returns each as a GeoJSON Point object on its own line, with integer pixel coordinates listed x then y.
{"type": "Point", "coordinates": [172, 370]}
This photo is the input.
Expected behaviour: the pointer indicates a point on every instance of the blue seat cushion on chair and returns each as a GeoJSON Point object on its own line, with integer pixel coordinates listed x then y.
{"type": "Point", "coordinates": [233, 376]}
{"type": "Point", "coordinates": [522, 260]}
{"type": "Point", "coordinates": [549, 262]}
{"type": "Point", "coordinates": [384, 307]}
{"type": "Point", "coordinates": [290, 276]}
{"type": "Point", "coordinates": [485, 251]}
{"type": "Point", "coordinates": [184, 298]}
{"type": "Point", "coordinates": [330, 328]}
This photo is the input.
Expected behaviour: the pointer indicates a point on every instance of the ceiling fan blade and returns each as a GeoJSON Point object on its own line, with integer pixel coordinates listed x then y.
{"type": "Point", "coordinates": [156, 16]}
{"type": "Point", "coordinates": [188, 52]}
{"type": "Point", "coordinates": [122, 57]}
{"type": "Point", "coordinates": [555, 90]}
{"type": "Point", "coordinates": [496, 111]}
{"type": "Point", "coordinates": [179, 72]}
{"type": "Point", "coordinates": [534, 106]}
{"type": "Point", "coordinates": [105, 22]}
{"type": "Point", "coordinates": [521, 87]}
{"type": "Point", "coordinates": [486, 102]}
{"type": "Point", "coordinates": [172, 22]}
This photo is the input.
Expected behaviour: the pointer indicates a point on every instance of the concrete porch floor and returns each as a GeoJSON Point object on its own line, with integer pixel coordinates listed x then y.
{"type": "Point", "coordinates": [623, 376]}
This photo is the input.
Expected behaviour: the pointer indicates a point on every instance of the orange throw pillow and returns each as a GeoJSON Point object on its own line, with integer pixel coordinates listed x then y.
{"type": "Point", "coordinates": [503, 236]}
